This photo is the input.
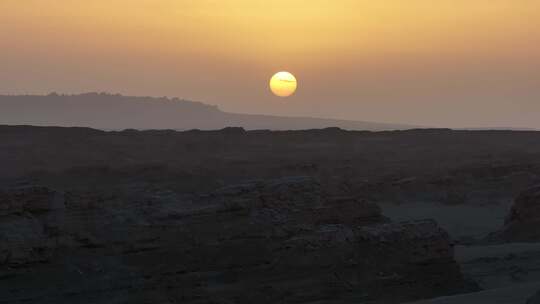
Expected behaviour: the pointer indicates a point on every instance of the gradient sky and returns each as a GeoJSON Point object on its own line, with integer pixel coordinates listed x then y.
{"type": "Point", "coordinates": [449, 63]}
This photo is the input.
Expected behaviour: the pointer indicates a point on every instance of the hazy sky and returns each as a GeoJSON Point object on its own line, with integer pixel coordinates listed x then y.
{"type": "Point", "coordinates": [456, 63]}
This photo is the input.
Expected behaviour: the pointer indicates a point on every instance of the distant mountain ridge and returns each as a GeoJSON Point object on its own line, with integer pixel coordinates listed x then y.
{"type": "Point", "coordinates": [117, 112]}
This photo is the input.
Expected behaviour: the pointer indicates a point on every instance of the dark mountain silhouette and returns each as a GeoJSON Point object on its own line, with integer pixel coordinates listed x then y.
{"type": "Point", "coordinates": [117, 112]}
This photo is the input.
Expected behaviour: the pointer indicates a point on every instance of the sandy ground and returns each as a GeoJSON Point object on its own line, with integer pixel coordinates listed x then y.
{"type": "Point", "coordinates": [517, 294]}
{"type": "Point", "coordinates": [459, 220]}
{"type": "Point", "coordinates": [507, 273]}
{"type": "Point", "coordinates": [466, 254]}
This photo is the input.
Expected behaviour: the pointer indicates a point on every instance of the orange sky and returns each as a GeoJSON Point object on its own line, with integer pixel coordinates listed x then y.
{"type": "Point", "coordinates": [441, 63]}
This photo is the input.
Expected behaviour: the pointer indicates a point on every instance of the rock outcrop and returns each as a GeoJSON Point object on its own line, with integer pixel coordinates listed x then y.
{"type": "Point", "coordinates": [523, 221]}
{"type": "Point", "coordinates": [279, 241]}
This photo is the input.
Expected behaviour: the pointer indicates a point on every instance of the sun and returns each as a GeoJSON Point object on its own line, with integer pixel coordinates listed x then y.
{"type": "Point", "coordinates": [283, 84]}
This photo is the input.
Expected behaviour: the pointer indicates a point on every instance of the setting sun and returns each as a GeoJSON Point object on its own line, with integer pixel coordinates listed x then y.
{"type": "Point", "coordinates": [283, 84]}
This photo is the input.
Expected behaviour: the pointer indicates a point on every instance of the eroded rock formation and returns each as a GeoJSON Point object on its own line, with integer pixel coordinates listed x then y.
{"type": "Point", "coordinates": [523, 222]}
{"type": "Point", "coordinates": [278, 241]}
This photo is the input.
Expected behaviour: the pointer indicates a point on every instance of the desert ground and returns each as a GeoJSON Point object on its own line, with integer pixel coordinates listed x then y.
{"type": "Point", "coordinates": [235, 216]}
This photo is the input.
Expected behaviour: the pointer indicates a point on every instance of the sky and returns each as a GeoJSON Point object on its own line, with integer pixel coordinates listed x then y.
{"type": "Point", "coordinates": [444, 63]}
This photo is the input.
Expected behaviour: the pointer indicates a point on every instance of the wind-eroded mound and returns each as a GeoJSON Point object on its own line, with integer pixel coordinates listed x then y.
{"type": "Point", "coordinates": [278, 241]}
{"type": "Point", "coordinates": [523, 222]}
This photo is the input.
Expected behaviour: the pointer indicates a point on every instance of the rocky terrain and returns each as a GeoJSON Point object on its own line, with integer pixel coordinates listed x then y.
{"type": "Point", "coordinates": [235, 216]}
{"type": "Point", "coordinates": [280, 241]}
